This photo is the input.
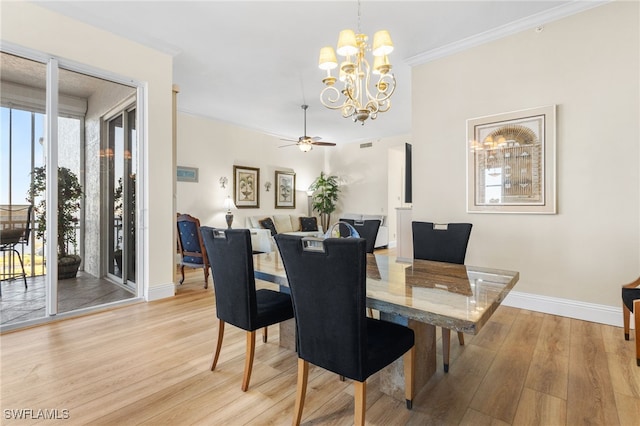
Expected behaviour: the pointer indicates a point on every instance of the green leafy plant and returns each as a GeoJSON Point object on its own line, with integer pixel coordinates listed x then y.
{"type": "Point", "coordinates": [325, 197]}
{"type": "Point", "coordinates": [69, 196]}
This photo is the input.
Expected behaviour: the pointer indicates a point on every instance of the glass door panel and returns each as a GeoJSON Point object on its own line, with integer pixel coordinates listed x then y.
{"type": "Point", "coordinates": [22, 126]}
{"type": "Point", "coordinates": [122, 168]}
{"type": "Point", "coordinates": [130, 165]}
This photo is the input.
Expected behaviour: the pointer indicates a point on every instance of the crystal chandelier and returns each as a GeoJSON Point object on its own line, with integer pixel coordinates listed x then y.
{"type": "Point", "coordinates": [359, 99]}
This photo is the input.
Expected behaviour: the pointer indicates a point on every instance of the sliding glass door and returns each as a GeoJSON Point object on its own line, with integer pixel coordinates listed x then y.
{"type": "Point", "coordinates": [122, 172]}
{"type": "Point", "coordinates": [69, 151]}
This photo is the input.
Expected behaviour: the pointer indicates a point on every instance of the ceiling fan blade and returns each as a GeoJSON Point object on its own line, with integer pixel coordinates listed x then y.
{"type": "Point", "coordinates": [315, 138]}
{"type": "Point", "coordinates": [323, 143]}
{"type": "Point", "coordinates": [284, 146]}
{"type": "Point", "coordinates": [289, 140]}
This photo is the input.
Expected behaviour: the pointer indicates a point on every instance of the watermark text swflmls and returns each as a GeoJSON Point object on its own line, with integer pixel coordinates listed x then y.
{"type": "Point", "coordinates": [36, 414]}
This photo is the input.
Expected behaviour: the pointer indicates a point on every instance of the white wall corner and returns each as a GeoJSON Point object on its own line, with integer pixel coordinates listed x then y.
{"type": "Point", "coordinates": [601, 314]}
{"type": "Point", "coordinates": [158, 292]}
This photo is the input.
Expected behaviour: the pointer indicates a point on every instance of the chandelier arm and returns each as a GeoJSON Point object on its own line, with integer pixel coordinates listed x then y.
{"type": "Point", "coordinates": [329, 97]}
{"type": "Point", "coordinates": [351, 90]}
{"type": "Point", "coordinates": [367, 82]}
{"type": "Point", "coordinates": [390, 81]}
{"type": "Point", "coordinates": [348, 110]}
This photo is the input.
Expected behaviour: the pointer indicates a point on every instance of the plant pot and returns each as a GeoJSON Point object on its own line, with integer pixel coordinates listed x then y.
{"type": "Point", "coordinates": [68, 266]}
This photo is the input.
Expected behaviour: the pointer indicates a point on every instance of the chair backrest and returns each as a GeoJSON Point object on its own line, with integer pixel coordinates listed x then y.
{"type": "Point", "coordinates": [328, 290]}
{"type": "Point", "coordinates": [442, 243]}
{"type": "Point", "coordinates": [368, 229]}
{"type": "Point", "coordinates": [15, 222]}
{"type": "Point", "coordinates": [190, 240]}
{"type": "Point", "coordinates": [229, 251]}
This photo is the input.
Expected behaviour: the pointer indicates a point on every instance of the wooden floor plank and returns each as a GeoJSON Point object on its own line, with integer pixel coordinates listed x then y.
{"type": "Point", "coordinates": [499, 396]}
{"type": "Point", "coordinates": [540, 409]}
{"type": "Point", "coordinates": [590, 397]}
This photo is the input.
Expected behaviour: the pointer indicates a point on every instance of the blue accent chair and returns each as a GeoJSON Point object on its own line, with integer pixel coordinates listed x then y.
{"type": "Point", "coordinates": [191, 247]}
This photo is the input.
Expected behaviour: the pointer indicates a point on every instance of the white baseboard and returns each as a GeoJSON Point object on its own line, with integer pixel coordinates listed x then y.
{"type": "Point", "coordinates": [601, 314]}
{"type": "Point", "coordinates": [158, 292]}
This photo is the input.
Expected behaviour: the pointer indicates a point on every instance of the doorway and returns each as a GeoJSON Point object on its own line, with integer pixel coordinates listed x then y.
{"type": "Point", "coordinates": [64, 123]}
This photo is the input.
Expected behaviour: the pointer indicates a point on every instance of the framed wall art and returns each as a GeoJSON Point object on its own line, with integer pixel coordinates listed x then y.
{"type": "Point", "coordinates": [285, 190]}
{"type": "Point", "coordinates": [511, 162]}
{"type": "Point", "coordinates": [186, 174]}
{"type": "Point", "coordinates": [246, 187]}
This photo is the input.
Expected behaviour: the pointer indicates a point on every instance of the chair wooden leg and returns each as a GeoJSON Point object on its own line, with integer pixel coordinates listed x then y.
{"type": "Point", "coordinates": [360, 403]}
{"type": "Point", "coordinates": [218, 345]}
{"type": "Point", "coordinates": [264, 335]}
{"type": "Point", "coordinates": [636, 318]}
{"type": "Point", "coordinates": [446, 346]}
{"type": "Point", "coordinates": [182, 272]}
{"type": "Point", "coordinates": [626, 313]}
{"type": "Point", "coordinates": [301, 390]}
{"type": "Point", "coordinates": [409, 376]}
{"type": "Point", "coordinates": [461, 338]}
{"type": "Point", "coordinates": [206, 277]}
{"type": "Point", "coordinates": [248, 361]}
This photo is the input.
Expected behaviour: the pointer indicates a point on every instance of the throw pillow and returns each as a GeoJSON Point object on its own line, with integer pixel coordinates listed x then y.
{"type": "Point", "coordinates": [308, 224]}
{"type": "Point", "coordinates": [267, 223]}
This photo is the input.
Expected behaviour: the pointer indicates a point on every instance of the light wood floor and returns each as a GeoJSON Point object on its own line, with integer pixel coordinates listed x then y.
{"type": "Point", "coordinates": [149, 364]}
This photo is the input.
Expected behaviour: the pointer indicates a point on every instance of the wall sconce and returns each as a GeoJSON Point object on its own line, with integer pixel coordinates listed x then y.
{"type": "Point", "coordinates": [267, 186]}
{"type": "Point", "coordinates": [223, 182]}
{"type": "Point", "coordinates": [228, 204]}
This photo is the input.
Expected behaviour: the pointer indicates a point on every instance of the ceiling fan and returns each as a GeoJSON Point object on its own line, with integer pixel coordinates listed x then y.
{"type": "Point", "coordinates": [306, 143]}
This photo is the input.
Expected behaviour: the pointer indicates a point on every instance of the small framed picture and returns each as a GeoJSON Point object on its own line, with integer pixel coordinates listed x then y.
{"type": "Point", "coordinates": [246, 187]}
{"type": "Point", "coordinates": [186, 174]}
{"type": "Point", "coordinates": [285, 190]}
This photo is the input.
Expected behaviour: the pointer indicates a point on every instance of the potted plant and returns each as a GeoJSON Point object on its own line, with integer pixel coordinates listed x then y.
{"type": "Point", "coordinates": [69, 196]}
{"type": "Point", "coordinates": [325, 196]}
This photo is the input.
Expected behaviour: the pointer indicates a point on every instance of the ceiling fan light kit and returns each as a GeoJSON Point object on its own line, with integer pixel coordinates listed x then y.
{"type": "Point", "coordinates": [305, 143]}
{"type": "Point", "coordinates": [358, 99]}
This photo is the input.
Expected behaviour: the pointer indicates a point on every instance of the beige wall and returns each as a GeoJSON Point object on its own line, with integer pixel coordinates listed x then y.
{"type": "Point", "coordinates": [588, 65]}
{"type": "Point", "coordinates": [370, 177]}
{"type": "Point", "coordinates": [214, 147]}
{"type": "Point", "coordinates": [34, 28]}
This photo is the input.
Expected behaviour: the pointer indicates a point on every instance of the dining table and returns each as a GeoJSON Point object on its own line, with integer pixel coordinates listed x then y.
{"type": "Point", "coordinates": [422, 295]}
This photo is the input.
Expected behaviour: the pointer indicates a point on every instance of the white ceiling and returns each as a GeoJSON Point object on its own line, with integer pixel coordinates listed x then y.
{"type": "Point", "coordinates": [254, 63]}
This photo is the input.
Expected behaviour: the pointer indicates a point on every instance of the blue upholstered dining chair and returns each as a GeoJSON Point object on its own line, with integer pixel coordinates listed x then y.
{"type": "Point", "coordinates": [237, 300]}
{"type": "Point", "coordinates": [631, 304]}
{"type": "Point", "coordinates": [328, 289]}
{"type": "Point", "coordinates": [442, 243]}
{"type": "Point", "coordinates": [191, 246]}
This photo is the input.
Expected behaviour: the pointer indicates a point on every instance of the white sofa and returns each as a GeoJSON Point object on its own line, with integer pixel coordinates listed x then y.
{"type": "Point", "coordinates": [382, 240]}
{"type": "Point", "coordinates": [261, 239]}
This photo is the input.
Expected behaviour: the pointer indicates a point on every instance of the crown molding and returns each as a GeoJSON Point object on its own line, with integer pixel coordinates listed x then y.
{"type": "Point", "coordinates": [514, 27]}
